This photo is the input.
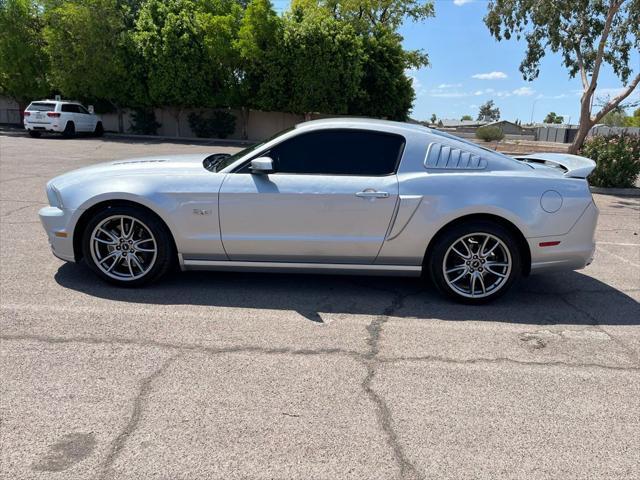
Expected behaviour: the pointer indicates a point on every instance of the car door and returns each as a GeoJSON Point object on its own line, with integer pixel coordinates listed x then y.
{"type": "Point", "coordinates": [87, 119]}
{"type": "Point", "coordinates": [330, 199]}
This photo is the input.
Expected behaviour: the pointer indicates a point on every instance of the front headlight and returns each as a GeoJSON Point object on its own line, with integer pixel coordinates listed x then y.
{"type": "Point", "coordinates": [53, 195]}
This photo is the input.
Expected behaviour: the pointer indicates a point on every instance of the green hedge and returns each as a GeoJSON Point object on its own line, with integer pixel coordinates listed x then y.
{"type": "Point", "coordinates": [489, 134]}
{"type": "Point", "coordinates": [617, 160]}
{"type": "Point", "coordinates": [220, 124]}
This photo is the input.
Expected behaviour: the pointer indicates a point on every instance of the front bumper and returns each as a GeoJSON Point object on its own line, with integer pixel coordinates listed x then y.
{"type": "Point", "coordinates": [55, 222]}
{"type": "Point", "coordinates": [575, 250]}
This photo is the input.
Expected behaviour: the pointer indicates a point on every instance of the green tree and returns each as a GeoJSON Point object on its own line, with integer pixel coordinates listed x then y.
{"type": "Point", "coordinates": [23, 62]}
{"type": "Point", "coordinates": [385, 90]}
{"type": "Point", "coordinates": [587, 33]}
{"type": "Point", "coordinates": [433, 118]}
{"type": "Point", "coordinates": [316, 68]}
{"type": "Point", "coordinates": [372, 14]}
{"type": "Point", "coordinates": [465, 118]}
{"type": "Point", "coordinates": [171, 41]}
{"type": "Point", "coordinates": [260, 30]}
{"type": "Point", "coordinates": [615, 118]}
{"type": "Point", "coordinates": [91, 52]}
{"type": "Point", "coordinates": [488, 112]}
{"type": "Point", "coordinates": [633, 121]}
{"type": "Point", "coordinates": [552, 117]}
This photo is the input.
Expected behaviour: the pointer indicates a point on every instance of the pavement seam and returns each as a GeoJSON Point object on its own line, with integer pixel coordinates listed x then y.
{"type": "Point", "coordinates": [139, 401]}
{"type": "Point", "coordinates": [632, 352]}
{"type": "Point", "coordinates": [489, 361]}
{"type": "Point", "coordinates": [182, 346]}
{"type": "Point", "coordinates": [371, 360]}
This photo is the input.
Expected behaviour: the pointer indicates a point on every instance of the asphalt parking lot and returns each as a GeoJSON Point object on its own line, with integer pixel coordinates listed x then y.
{"type": "Point", "coordinates": [255, 376]}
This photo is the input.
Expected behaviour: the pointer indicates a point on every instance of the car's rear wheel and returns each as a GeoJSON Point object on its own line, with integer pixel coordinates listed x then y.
{"type": "Point", "coordinates": [34, 134]}
{"type": "Point", "coordinates": [69, 130]}
{"type": "Point", "coordinates": [128, 246]}
{"type": "Point", "coordinates": [475, 262]}
{"type": "Point", "coordinates": [99, 130]}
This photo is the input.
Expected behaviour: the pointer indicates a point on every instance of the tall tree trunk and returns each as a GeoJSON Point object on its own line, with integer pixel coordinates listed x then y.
{"type": "Point", "coordinates": [120, 119]}
{"type": "Point", "coordinates": [176, 115]}
{"type": "Point", "coordinates": [307, 116]}
{"type": "Point", "coordinates": [586, 122]}
{"type": "Point", "coordinates": [244, 113]}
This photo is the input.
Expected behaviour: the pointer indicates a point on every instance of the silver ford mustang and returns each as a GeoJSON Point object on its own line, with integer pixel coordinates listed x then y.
{"type": "Point", "coordinates": [353, 196]}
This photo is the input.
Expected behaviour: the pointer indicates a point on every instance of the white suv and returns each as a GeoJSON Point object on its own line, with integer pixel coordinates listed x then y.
{"type": "Point", "coordinates": [63, 117]}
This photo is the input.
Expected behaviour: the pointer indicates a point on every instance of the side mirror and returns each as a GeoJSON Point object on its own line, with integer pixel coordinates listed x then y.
{"type": "Point", "coordinates": [90, 109]}
{"type": "Point", "coordinates": [262, 165]}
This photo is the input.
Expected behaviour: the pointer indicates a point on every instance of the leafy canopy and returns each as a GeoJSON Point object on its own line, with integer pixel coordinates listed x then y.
{"type": "Point", "coordinates": [23, 61]}
{"type": "Point", "coordinates": [572, 28]}
{"type": "Point", "coordinates": [489, 112]}
{"type": "Point", "coordinates": [552, 117]}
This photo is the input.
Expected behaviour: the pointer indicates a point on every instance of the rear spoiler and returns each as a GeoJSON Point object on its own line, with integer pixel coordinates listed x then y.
{"type": "Point", "coordinates": [574, 166]}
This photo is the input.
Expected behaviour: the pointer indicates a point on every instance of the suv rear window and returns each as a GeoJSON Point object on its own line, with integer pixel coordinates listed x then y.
{"type": "Point", "coordinates": [42, 107]}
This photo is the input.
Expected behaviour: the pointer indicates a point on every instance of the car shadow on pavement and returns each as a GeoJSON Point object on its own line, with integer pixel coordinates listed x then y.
{"type": "Point", "coordinates": [562, 298]}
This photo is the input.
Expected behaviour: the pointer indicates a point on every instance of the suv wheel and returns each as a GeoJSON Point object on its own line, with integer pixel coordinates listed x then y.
{"type": "Point", "coordinates": [128, 246]}
{"type": "Point", "coordinates": [34, 134]}
{"type": "Point", "coordinates": [475, 262]}
{"type": "Point", "coordinates": [99, 131]}
{"type": "Point", "coordinates": [69, 130]}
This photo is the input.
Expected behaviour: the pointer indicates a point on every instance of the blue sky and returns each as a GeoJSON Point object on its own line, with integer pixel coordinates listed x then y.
{"type": "Point", "coordinates": [468, 67]}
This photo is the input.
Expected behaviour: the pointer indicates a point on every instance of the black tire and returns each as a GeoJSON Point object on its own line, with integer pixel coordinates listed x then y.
{"type": "Point", "coordinates": [69, 130]}
{"type": "Point", "coordinates": [34, 134]}
{"type": "Point", "coordinates": [473, 231]}
{"type": "Point", "coordinates": [165, 250]}
{"type": "Point", "coordinates": [99, 131]}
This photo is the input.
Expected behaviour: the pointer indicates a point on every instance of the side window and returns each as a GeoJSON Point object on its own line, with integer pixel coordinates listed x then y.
{"type": "Point", "coordinates": [70, 108]}
{"type": "Point", "coordinates": [81, 109]}
{"type": "Point", "coordinates": [339, 152]}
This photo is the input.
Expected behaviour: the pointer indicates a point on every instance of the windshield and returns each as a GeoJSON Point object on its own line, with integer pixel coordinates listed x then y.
{"type": "Point", "coordinates": [220, 161]}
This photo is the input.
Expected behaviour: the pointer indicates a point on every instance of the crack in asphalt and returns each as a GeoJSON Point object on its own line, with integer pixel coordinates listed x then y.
{"type": "Point", "coordinates": [472, 361]}
{"type": "Point", "coordinates": [594, 322]}
{"type": "Point", "coordinates": [181, 346]}
{"type": "Point", "coordinates": [134, 420]}
{"type": "Point", "coordinates": [408, 471]}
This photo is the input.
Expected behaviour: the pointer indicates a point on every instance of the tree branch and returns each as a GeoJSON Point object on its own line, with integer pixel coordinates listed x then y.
{"type": "Point", "coordinates": [613, 9]}
{"type": "Point", "coordinates": [615, 101]}
{"type": "Point", "coordinates": [583, 72]}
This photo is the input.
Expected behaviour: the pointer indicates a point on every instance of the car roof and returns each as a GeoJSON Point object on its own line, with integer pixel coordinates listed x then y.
{"type": "Point", "coordinates": [371, 123]}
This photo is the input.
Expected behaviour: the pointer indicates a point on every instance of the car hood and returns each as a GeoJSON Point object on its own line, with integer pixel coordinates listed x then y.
{"type": "Point", "coordinates": [156, 165]}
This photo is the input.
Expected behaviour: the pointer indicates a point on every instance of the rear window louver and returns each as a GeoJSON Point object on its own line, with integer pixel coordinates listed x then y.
{"type": "Point", "coordinates": [445, 157]}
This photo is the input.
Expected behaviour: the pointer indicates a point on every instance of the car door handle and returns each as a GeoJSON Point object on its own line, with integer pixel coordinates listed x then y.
{"type": "Point", "coordinates": [371, 193]}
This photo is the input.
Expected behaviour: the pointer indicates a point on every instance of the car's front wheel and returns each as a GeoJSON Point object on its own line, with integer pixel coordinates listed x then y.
{"type": "Point", "coordinates": [475, 262]}
{"type": "Point", "coordinates": [128, 246]}
{"type": "Point", "coordinates": [99, 130]}
{"type": "Point", "coordinates": [34, 134]}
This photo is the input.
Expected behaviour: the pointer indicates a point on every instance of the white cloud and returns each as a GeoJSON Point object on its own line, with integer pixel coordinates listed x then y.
{"type": "Point", "coordinates": [459, 3]}
{"type": "Point", "coordinates": [450, 85]}
{"type": "Point", "coordinates": [490, 76]}
{"type": "Point", "coordinates": [523, 92]}
{"type": "Point", "coordinates": [447, 94]}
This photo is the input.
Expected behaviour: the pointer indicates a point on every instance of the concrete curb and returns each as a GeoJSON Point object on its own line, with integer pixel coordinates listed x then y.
{"type": "Point", "coordinates": [204, 141]}
{"type": "Point", "coordinates": [618, 192]}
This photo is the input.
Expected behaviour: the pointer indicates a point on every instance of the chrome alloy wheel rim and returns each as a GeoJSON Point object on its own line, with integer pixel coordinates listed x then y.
{"type": "Point", "coordinates": [123, 247]}
{"type": "Point", "coordinates": [477, 265]}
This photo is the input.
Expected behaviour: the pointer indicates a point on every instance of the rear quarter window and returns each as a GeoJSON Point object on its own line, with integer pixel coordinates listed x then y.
{"type": "Point", "coordinates": [42, 107]}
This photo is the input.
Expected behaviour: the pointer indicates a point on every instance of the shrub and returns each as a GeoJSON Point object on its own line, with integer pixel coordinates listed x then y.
{"type": "Point", "coordinates": [143, 122]}
{"type": "Point", "coordinates": [489, 134]}
{"type": "Point", "coordinates": [617, 160]}
{"type": "Point", "coordinates": [221, 124]}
